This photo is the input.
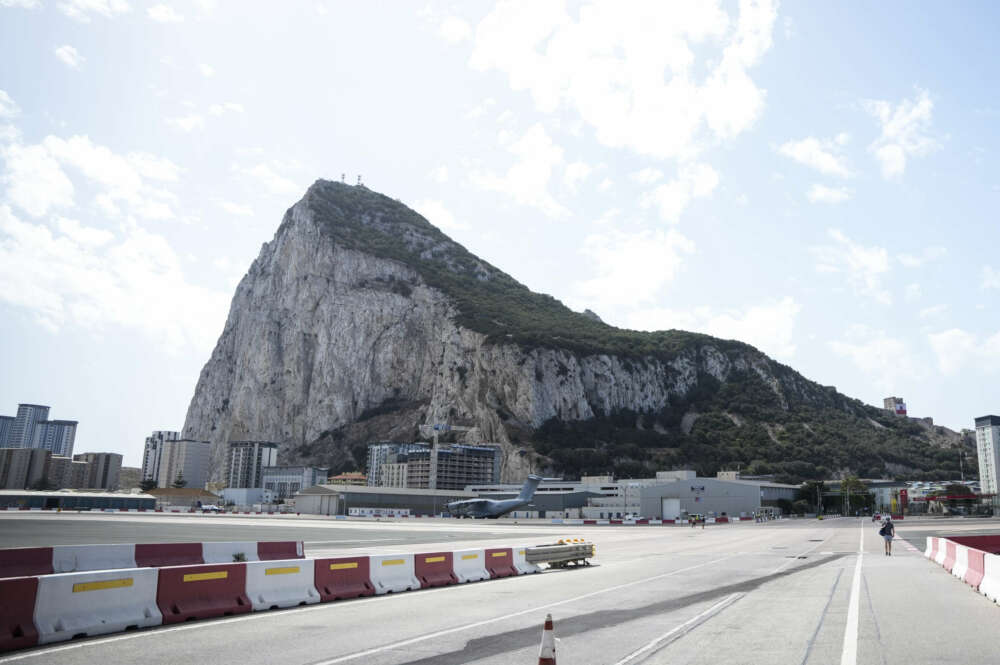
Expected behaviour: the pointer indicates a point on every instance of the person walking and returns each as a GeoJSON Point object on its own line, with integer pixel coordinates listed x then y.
{"type": "Point", "coordinates": [888, 532]}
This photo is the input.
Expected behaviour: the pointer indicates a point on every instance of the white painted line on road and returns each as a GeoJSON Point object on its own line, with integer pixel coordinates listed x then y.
{"type": "Point", "coordinates": [849, 654]}
{"type": "Point", "coordinates": [422, 638]}
{"type": "Point", "coordinates": [681, 630]}
{"type": "Point", "coordinates": [351, 604]}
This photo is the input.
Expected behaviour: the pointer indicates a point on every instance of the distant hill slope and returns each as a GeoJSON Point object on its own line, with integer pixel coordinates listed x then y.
{"type": "Point", "coordinates": [360, 320]}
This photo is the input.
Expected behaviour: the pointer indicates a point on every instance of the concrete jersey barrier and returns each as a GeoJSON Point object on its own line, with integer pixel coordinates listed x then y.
{"type": "Point", "coordinates": [202, 591]}
{"type": "Point", "coordinates": [521, 564]}
{"type": "Point", "coordinates": [500, 562]}
{"type": "Point", "coordinates": [229, 552]}
{"type": "Point", "coordinates": [434, 569]}
{"type": "Point", "coordinates": [281, 583]}
{"type": "Point", "coordinates": [73, 558]}
{"type": "Point", "coordinates": [69, 605]}
{"type": "Point", "coordinates": [990, 584]}
{"type": "Point", "coordinates": [392, 573]}
{"type": "Point", "coordinates": [343, 577]}
{"type": "Point", "coordinates": [470, 565]}
{"type": "Point", "coordinates": [17, 613]}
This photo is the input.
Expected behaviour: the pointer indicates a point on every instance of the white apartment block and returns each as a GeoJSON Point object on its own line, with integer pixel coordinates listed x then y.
{"type": "Point", "coordinates": [154, 451]}
{"type": "Point", "coordinates": [245, 462]}
{"type": "Point", "coordinates": [988, 447]}
{"type": "Point", "coordinates": [186, 458]}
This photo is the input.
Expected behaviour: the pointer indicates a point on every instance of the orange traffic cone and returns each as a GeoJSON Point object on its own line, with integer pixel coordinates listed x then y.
{"type": "Point", "coordinates": [547, 652]}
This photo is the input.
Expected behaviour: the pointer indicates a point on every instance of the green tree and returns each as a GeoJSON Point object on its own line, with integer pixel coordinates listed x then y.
{"type": "Point", "coordinates": [857, 492]}
{"type": "Point", "coordinates": [147, 484]}
{"type": "Point", "coordinates": [179, 481]}
{"type": "Point", "coordinates": [811, 491]}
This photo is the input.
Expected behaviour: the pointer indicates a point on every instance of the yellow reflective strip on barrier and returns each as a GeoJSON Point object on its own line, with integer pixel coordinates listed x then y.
{"type": "Point", "coordinates": [394, 562]}
{"type": "Point", "coordinates": [343, 566]}
{"type": "Point", "coordinates": [434, 559]}
{"type": "Point", "coordinates": [466, 557]}
{"type": "Point", "coordinates": [201, 577]}
{"type": "Point", "coordinates": [521, 552]}
{"type": "Point", "coordinates": [106, 584]}
{"type": "Point", "coordinates": [499, 554]}
{"type": "Point", "coordinates": [282, 571]}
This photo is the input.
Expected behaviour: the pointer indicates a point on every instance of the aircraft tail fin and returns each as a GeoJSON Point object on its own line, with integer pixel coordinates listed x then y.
{"type": "Point", "coordinates": [528, 490]}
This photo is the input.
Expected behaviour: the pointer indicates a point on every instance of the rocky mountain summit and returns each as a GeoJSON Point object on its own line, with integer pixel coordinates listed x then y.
{"type": "Point", "coordinates": [361, 321]}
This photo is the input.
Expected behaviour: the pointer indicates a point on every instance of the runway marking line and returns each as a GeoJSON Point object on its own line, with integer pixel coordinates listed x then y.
{"type": "Point", "coordinates": [849, 653]}
{"type": "Point", "coordinates": [682, 629]}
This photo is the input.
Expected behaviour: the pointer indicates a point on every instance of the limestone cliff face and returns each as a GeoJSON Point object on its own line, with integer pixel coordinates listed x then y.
{"type": "Point", "coordinates": [322, 333]}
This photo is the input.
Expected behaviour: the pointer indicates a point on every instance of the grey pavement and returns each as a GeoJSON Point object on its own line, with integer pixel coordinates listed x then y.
{"type": "Point", "coordinates": [785, 592]}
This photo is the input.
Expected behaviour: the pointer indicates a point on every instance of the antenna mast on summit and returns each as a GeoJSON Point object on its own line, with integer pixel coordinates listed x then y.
{"type": "Point", "coordinates": [359, 179]}
{"type": "Point", "coordinates": [343, 177]}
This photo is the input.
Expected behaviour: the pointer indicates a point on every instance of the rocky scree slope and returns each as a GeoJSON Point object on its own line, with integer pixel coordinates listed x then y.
{"type": "Point", "coordinates": [360, 321]}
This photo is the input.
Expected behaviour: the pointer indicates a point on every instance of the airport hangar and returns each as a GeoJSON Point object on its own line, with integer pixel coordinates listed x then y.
{"type": "Point", "coordinates": [339, 499]}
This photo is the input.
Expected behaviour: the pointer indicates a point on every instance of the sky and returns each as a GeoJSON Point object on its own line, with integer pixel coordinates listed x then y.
{"type": "Point", "coordinates": [816, 179]}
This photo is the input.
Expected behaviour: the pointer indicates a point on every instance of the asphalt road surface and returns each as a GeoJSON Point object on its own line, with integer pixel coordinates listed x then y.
{"type": "Point", "coordinates": [800, 592]}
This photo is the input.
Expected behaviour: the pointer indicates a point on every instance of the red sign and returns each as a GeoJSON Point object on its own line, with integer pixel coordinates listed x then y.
{"type": "Point", "coordinates": [903, 498]}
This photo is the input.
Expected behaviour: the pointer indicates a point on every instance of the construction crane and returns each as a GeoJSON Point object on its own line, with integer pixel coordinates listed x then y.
{"type": "Point", "coordinates": [435, 430]}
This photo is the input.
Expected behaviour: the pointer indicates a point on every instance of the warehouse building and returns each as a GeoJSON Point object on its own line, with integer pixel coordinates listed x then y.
{"type": "Point", "coordinates": [339, 499]}
{"type": "Point", "coordinates": [70, 500]}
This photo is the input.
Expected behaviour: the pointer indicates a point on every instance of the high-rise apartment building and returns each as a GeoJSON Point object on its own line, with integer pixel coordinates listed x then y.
{"type": "Point", "coordinates": [153, 452]}
{"type": "Point", "coordinates": [458, 465]}
{"type": "Point", "coordinates": [245, 461]}
{"type": "Point", "coordinates": [22, 432]}
{"type": "Point", "coordinates": [387, 453]}
{"type": "Point", "coordinates": [56, 436]}
{"type": "Point", "coordinates": [102, 470]}
{"type": "Point", "coordinates": [988, 447]}
{"type": "Point", "coordinates": [184, 458]}
{"type": "Point", "coordinates": [6, 425]}
{"type": "Point", "coordinates": [22, 468]}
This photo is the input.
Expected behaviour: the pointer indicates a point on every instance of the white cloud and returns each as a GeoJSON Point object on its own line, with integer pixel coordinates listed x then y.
{"type": "Point", "coordinates": [35, 181]}
{"type": "Point", "coordinates": [120, 176]}
{"type": "Point", "coordinates": [437, 214]}
{"type": "Point", "coordinates": [912, 292]}
{"type": "Point", "coordinates": [527, 181]}
{"type": "Point", "coordinates": [768, 327]}
{"type": "Point", "coordinates": [187, 123]}
{"type": "Point", "coordinates": [439, 174]}
{"type": "Point", "coordinates": [455, 30]}
{"type": "Point", "coordinates": [23, 4]}
{"type": "Point", "coordinates": [632, 268]}
{"type": "Point", "coordinates": [238, 209]}
{"type": "Point", "coordinates": [647, 176]}
{"type": "Point", "coordinates": [273, 182]}
{"type": "Point", "coordinates": [575, 174]}
{"type": "Point", "coordinates": [903, 132]}
{"type": "Point", "coordinates": [222, 109]}
{"type": "Point", "coordinates": [8, 107]}
{"type": "Point", "coordinates": [164, 14]}
{"type": "Point", "coordinates": [606, 185]}
{"type": "Point", "coordinates": [82, 9]}
{"type": "Point", "coordinates": [657, 78]}
{"type": "Point", "coordinates": [206, 70]}
{"type": "Point", "coordinates": [957, 349]}
{"type": "Point", "coordinates": [887, 360]}
{"type": "Point", "coordinates": [823, 194]}
{"type": "Point", "coordinates": [819, 154]}
{"type": "Point", "coordinates": [928, 255]}
{"type": "Point", "coordinates": [69, 56]}
{"type": "Point", "coordinates": [991, 278]}
{"type": "Point", "coordinates": [83, 235]}
{"type": "Point", "coordinates": [932, 311]}
{"type": "Point", "coordinates": [80, 277]}
{"type": "Point", "coordinates": [672, 198]}
{"type": "Point", "coordinates": [481, 109]}
{"type": "Point", "coordinates": [863, 266]}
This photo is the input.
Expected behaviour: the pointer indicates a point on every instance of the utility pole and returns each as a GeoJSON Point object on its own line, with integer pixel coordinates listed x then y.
{"type": "Point", "coordinates": [961, 463]}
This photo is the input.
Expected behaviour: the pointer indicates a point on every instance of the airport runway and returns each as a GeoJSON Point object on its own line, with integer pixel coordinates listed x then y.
{"type": "Point", "coordinates": [802, 592]}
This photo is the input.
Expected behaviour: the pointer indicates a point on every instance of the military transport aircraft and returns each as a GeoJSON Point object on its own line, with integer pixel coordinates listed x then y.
{"type": "Point", "coordinates": [494, 508]}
